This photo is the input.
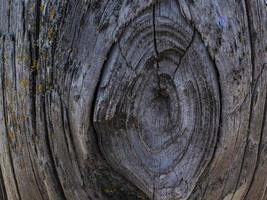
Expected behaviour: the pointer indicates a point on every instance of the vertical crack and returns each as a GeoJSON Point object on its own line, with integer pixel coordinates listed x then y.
{"type": "Point", "coordinates": [50, 153]}
{"type": "Point", "coordinates": [154, 31]}
{"type": "Point", "coordinates": [187, 48]}
{"type": "Point", "coordinates": [34, 55]}
{"type": "Point", "coordinates": [155, 45]}
{"type": "Point", "coordinates": [252, 50]}
{"type": "Point", "coordinates": [253, 90]}
{"type": "Point", "coordinates": [2, 187]}
{"type": "Point", "coordinates": [259, 146]}
{"type": "Point", "coordinates": [34, 62]}
{"type": "Point", "coordinates": [3, 76]}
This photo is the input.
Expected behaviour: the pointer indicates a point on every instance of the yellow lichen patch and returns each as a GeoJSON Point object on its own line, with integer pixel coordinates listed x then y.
{"type": "Point", "coordinates": [50, 87]}
{"type": "Point", "coordinates": [23, 117]}
{"type": "Point", "coordinates": [23, 57]}
{"type": "Point", "coordinates": [109, 190]}
{"type": "Point", "coordinates": [50, 34]}
{"type": "Point", "coordinates": [42, 7]}
{"type": "Point", "coordinates": [11, 136]}
{"type": "Point", "coordinates": [53, 13]}
{"type": "Point", "coordinates": [7, 83]}
{"type": "Point", "coordinates": [24, 83]}
{"type": "Point", "coordinates": [35, 66]}
{"type": "Point", "coordinates": [32, 8]}
{"type": "Point", "coordinates": [39, 88]}
{"type": "Point", "coordinates": [5, 58]}
{"type": "Point", "coordinates": [13, 119]}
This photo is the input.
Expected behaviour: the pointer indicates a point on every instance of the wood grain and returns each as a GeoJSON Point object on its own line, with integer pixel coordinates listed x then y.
{"type": "Point", "coordinates": [122, 99]}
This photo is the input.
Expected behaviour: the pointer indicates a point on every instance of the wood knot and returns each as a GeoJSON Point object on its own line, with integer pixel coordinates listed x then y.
{"type": "Point", "coordinates": [157, 112]}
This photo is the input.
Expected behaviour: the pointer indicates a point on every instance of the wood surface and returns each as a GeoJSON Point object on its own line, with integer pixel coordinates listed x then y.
{"type": "Point", "coordinates": [133, 99]}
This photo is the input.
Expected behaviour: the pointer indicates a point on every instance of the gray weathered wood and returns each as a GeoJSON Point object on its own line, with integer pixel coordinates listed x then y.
{"type": "Point", "coordinates": [145, 99]}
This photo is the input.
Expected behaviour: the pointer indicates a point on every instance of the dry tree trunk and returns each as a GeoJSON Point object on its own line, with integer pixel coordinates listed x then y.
{"type": "Point", "coordinates": [143, 99]}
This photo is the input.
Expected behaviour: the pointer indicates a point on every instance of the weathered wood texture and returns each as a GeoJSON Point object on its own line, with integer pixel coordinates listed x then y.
{"type": "Point", "coordinates": [122, 99]}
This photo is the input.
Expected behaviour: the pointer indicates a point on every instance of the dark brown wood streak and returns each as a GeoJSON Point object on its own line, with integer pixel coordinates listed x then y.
{"type": "Point", "coordinates": [133, 100]}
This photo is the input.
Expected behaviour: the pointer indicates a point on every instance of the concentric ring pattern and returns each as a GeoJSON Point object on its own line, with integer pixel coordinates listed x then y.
{"type": "Point", "coordinates": [157, 106]}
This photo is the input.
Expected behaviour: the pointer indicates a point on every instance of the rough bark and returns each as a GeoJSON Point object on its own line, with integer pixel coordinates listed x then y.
{"type": "Point", "coordinates": [122, 99]}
